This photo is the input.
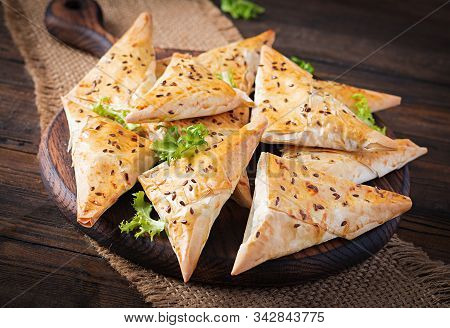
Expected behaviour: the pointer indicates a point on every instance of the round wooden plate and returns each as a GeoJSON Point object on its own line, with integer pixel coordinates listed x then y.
{"type": "Point", "coordinates": [219, 253]}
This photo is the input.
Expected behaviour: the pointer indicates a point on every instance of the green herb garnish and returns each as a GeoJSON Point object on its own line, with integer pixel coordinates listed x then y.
{"type": "Point", "coordinates": [142, 220]}
{"type": "Point", "coordinates": [175, 145]}
{"type": "Point", "coordinates": [364, 113]}
{"type": "Point", "coordinates": [103, 108]}
{"type": "Point", "coordinates": [227, 77]}
{"type": "Point", "coordinates": [303, 64]}
{"type": "Point", "coordinates": [241, 9]}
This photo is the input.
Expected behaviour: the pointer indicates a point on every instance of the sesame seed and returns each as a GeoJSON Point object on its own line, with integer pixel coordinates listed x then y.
{"type": "Point", "coordinates": [303, 214]}
{"type": "Point", "coordinates": [312, 188]}
{"type": "Point", "coordinates": [318, 207]}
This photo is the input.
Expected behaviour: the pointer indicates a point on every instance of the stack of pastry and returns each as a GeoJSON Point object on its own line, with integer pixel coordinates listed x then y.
{"type": "Point", "coordinates": [311, 194]}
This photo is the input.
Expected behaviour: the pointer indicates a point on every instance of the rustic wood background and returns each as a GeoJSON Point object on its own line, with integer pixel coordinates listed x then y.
{"type": "Point", "coordinates": [35, 240]}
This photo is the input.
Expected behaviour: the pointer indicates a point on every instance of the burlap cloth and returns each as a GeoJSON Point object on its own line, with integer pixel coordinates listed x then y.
{"type": "Point", "coordinates": [401, 275]}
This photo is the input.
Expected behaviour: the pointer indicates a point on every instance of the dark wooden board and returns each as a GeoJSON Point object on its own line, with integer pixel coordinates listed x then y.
{"type": "Point", "coordinates": [30, 218]}
{"type": "Point", "coordinates": [80, 24]}
{"type": "Point", "coordinates": [220, 251]}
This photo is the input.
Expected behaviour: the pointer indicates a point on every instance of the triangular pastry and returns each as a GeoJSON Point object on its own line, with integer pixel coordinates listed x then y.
{"type": "Point", "coordinates": [219, 127]}
{"type": "Point", "coordinates": [240, 61]}
{"type": "Point", "coordinates": [186, 90]}
{"type": "Point", "coordinates": [296, 206]}
{"type": "Point", "coordinates": [343, 92]}
{"type": "Point", "coordinates": [358, 167]}
{"type": "Point", "coordinates": [189, 193]}
{"type": "Point", "coordinates": [107, 159]}
{"type": "Point", "coordinates": [300, 115]}
{"type": "Point", "coordinates": [117, 75]}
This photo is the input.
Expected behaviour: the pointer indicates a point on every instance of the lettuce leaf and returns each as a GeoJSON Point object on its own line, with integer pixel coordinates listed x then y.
{"type": "Point", "coordinates": [303, 64]}
{"type": "Point", "coordinates": [227, 77]}
{"type": "Point", "coordinates": [103, 108]}
{"type": "Point", "coordinates": [142, 220]}
{"type": "Point", "coordinates": [363, 112]}
{"type": "Point", "coordinates": [241, 9]}
{"type": "Point", "coordinates": [175, 145]}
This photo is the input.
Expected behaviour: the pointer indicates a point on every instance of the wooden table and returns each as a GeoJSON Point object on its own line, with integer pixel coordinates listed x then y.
{"type": "Point", "coordinates": [35, 240]}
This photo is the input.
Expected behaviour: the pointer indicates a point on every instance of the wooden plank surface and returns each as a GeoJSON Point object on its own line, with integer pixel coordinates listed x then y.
{"type": "Point", "coordinates": [35, 240]}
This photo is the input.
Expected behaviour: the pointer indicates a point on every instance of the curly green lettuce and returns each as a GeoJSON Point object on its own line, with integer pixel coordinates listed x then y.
{"type": "Point", "coordinates": [175, 145]}
{"type": "Point", "coordinates": [141, 221]}
{"type": "Point", "coordinates": [363, 112]}
{"type": "Point", "coordinates": [103, 108]}
{"type": "Point", "coordinates": [303, 64]}
{"type": "Point", "coordinates": [244, 9]}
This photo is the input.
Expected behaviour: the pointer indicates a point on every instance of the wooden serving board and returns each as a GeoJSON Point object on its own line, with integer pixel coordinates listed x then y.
{"type": "Point", "coordinates": [220, 251]}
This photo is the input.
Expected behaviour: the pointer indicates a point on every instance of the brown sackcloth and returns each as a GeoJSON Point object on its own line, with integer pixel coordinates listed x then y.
{"type": "Point", "coordinates": [401, 275]}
